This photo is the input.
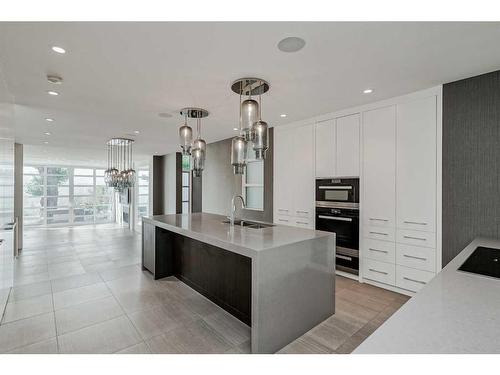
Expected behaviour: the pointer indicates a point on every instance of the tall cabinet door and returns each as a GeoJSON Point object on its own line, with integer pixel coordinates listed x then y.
{"type": "Point", "coordinates": [283, 160]}
{"type": "Point", "coordinates": [302, 171]}
{"type": "Point", "coordinates": [347, 146]}
{"type": "Point", "coordinates": [416, 164]}
{"type": "Point", "coordinates": [325, 148]}
{"type": "Point", "coordinates": [379, 164]}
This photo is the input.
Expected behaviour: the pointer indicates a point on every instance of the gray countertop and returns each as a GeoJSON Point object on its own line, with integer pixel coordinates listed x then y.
{"type": "Point", "coordinates": [457, 312]}
{"type": "Point", "coordinates": [209, 228]}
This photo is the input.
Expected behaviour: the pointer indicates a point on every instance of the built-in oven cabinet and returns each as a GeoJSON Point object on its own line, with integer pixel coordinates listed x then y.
{"type": "Point", "coordinates": [416, 165]}
{"type": "Point", "coordinates": [294, 176]}
{"type": "Point", "coordinates": [379, 167]}
{"type": "Point", "coordinates": [337, 149]}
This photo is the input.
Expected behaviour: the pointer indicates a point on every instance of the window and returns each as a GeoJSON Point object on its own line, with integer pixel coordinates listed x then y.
{"type": "Point", "coordinates": [66, 195]}
{"type": "Point", "coordinates": [253, 185]}
{"type": "Point", "coordinates": [186, 184]}
{"type": "Point", "coordinates": [142, 188]}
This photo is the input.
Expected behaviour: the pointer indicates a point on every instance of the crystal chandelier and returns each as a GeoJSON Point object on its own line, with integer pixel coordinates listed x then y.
{"type": "Point", "coordinates": [251, 127]}
{"type": "Point", "coordinates": [197, 148]}
{"type": "Point", "coordinates": [119, 175]}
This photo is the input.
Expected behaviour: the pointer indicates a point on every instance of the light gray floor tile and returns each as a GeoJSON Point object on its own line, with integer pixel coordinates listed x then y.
{"type": "Point", "coordinates": [27, 331]}
{"type": "Point", "coordinates": [140, 348]}
{"type": "Point", "coordinates": [96, 259]}
{"type": "Point", "coordinates": [98, 267]}
{"type": "Point", "coordinates": [137, 300]}
{"type": "Point", "coordinates": [65, 269]}
{"type": "Point", "coordinates": [71, 282]}
{"type": "Point", "coordinates": [192, 338]}
{"type": "Point", "coordinates": [155, 321]}
{"type": "Point", "coordinates": [83, 294]}
{"type": "Point", "coordinates": [107, 337]}
{"type": "Point", "coordinates": [30, 279]}
{"type": "Point", "coordinates": [231, 329]}
{"type": "Point", "coordinates": [27, 308]}
{"type": "Point", "coordinates": [44, 347]}
{"type": "Point", "coordinates": [87, 314]}
{"type": "Point", "coordinates": [305, 345]}
{"type": "Point", "coordinates": [121, 272]}
{"type": "Point", "coordinates": [136, 282]}
{"type": "Point", "coordinates": [31, 290]}
{"type": "Point", "coordinates": [200, 305]}
{"type": "Point", "coordinates": [63, 259]}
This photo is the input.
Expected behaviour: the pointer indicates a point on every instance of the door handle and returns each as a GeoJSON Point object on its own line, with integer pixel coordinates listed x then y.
{"type": "Point", "coordinates": [414, 257]}
{"type": "Point", "coordinates": [415, 281]}
{"type": "Point", "coordinates": [343, 257]}
{"type": "Point", "coordinates": [414, 222]}
{"type": "Point", "coordinates": [380, 251]}
{"type": "Point", "coordinates": [415, 238]}
{"type": "Point", "coordinates": [380, 233]}
{"type": "Point", "coordinates": [377, 271]}
{"type": "Point", "coordinates": [334, 218]}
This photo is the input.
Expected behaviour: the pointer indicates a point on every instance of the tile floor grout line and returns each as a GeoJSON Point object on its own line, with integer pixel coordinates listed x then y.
{"type": "Point", "coordinates": [55, 319]}
{"type": "Point", "coordinates": [4, 309]}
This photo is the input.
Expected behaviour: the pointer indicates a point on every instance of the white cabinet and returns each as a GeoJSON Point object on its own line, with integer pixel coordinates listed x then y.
{"type": "Point", "coordinates": [294, 176]}
{"type": "Point", "coordinates": [379, 167]}
{"type": "Point", "coordinates": [337, 147]}
{"type": "Point", "coordinates": [325, 148]}
{"type": "Point", "coordinates": [416, 165]}
{"type": "Point", "coordinates": [347, 146]}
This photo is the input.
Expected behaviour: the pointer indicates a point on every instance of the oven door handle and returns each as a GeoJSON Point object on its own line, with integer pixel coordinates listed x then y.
{"type": "Point", "coordinates": [343, 257]}
{"type": "Point", "coordinates": [335, 187]}
{"type": "Point", "coordinates": [338, 218]}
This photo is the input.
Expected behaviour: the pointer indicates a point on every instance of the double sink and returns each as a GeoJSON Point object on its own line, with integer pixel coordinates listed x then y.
{"type": "Point", "coordinates": [248, 224]}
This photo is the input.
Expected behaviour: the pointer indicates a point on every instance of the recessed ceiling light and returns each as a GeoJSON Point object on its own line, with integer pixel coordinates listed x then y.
{"type": "Point", "coordinates": [55, 80]}
{"type": "Point", "coordinates": [235, 129]}
{"type": "Point", "coordinates": [48, 119]}
{"type": "Point", "coordinates": [136, 131]}
{"type": "Point", "coordinates": [367, 91]}
{"type": "Point", "coordinates": [291, 44]}
{"type": "Point", "coordinates": [58, 49]}
{"type": "Point", "coordinates": [53, 93]}
{"type": "Point", "coordinates": [46, 142]}
{"type": "Point", "coordinates": [283, 115]}
{"type": "Point", "coordinates": [156, 152]}
{"type": "Point", "coordinates": [47, 133]}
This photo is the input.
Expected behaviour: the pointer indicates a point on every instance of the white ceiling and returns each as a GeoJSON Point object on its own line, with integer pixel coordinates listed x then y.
{"type": "Point", "coordinates": [119, 76]}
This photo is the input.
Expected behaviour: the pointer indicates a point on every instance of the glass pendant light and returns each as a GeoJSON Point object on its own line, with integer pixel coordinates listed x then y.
{"type": "Point", "coordinates": [249, 115]}
{"type": "Point", "coordinates": [199, 150]}
{"type": "Point", "coordinates": [260, 135]}
{"type": "Point", "coordinates": [120, 175]}
{"type": "Point", "coordinates": [239, 148]}
{"type": "Point", "coordinates": [185, 137]}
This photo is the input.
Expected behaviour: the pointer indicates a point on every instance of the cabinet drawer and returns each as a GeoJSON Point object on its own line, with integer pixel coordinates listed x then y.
{"type": "Point", "coordinates": [379, 250]}
{"type": "Point", "coordinates": [412, 279]}
{"type": "Point", "coordinates": [378, 233]}
{"type": "Point", "coordinates": [283, 211]}
{"type": "Point", "coordinates": [284, 220]}
{"type": "Point", "coordinates": [414, 237]}
{"type": "Point", "coordinates": [375, 221]}
{"type": "Point", "coordinates": [302, 222]}
{"type": "Point", "coordinates": [422, 258]}
{"type": "Point", "coordinates": [379, 271]}
{"type": "Point", "coordinates": [303, 213]}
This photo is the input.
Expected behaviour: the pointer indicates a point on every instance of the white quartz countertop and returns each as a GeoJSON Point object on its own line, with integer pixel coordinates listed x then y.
{"type": "Point", "coordinates": [210, 229]}
{"type": "Point", "coordinates": [457, 312]}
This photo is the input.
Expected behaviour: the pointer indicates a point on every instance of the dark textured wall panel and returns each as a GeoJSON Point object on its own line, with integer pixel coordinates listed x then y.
{"type": "Point", "coordinates": [471, 157]}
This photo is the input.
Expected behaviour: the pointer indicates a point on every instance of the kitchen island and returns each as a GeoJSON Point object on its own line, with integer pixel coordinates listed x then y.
{"type": "Point", "coordinates": [456, 313]}
{"type": "Point", "coordinates": [279, 280]}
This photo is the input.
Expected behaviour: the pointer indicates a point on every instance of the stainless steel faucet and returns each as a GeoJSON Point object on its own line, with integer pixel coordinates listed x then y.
{"type": "Point", "coordinates": [233, 207]}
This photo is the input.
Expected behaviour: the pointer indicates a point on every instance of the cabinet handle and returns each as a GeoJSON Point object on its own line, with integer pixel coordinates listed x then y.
{"type": "Point", "coordinates": [302, 222]}
{"type": "Point", "coordinates": [286, 221]}
{"type": "Point", "coordinates": [335, 187]}
{"type": "Point", "coordinates": [414, 222]}
{"type": "Point", "coordinates": [302, 212]}
{"type": "Point", "coordinates": [415, 238]}
{"type": "Point", "coordinates": [380, 251]}
{"type": "Point", "coordinates": [377, 219]}
{"type": "Point", "coordinates": [414, 257]}
{"type": "Point", "coordinates": [373, 270]}
{"type": "Point", "coordinates": [282, 209]}
{"type": "Point", "coordinates": [415, 281]}
{"type": "Point", "coordinates": [380, 233]}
